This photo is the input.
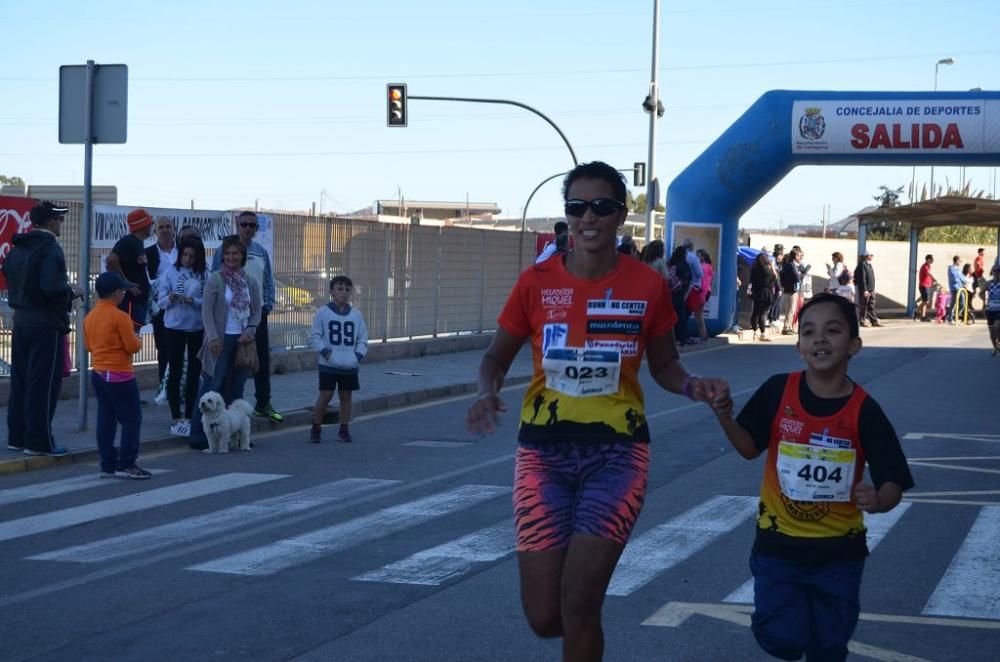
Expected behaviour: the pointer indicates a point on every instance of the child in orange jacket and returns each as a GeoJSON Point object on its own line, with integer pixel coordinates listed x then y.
{"type": "Point", "coordinates": [111, 340]}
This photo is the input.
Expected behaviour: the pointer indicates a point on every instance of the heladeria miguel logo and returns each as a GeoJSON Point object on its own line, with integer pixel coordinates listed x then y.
{"type": "Point", "coordinates": [14, 219]}
{"type": "Point", "coordinates": [812, 126]}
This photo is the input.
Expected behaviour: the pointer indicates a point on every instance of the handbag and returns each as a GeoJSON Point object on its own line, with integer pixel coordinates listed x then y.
{"type": "Point", "coordinates": [246, 357]}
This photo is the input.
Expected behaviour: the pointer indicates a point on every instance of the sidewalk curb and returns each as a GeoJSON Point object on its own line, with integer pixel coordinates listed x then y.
{"type": "Point", "coordinates": [292, 419]}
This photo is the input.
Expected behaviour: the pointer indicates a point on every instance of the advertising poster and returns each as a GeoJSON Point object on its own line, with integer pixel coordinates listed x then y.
{"type": "Point", "coordinates": [14, 219]}
{"type": "Point", "coordinates": [707, 236]}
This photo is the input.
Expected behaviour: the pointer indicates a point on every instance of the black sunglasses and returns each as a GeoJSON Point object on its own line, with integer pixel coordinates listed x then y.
{"type": "Point", "coordinates": [600, 207]}
{"type": "Point", "coordinates": [248, 225]}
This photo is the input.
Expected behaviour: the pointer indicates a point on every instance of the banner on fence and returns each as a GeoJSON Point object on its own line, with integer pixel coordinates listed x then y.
{"type": "Point", "coordinates": [14, 219]}
{"type": "Point", "coordinates": [110, 225]}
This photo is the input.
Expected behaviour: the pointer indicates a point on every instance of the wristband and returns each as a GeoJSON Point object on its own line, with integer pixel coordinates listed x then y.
{"type": "Point", "coordinates": [687, 385]}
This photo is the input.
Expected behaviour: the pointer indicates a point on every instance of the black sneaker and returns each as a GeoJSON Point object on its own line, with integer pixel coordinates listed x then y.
{"type": "Point", "coordinates": [135, 472]}
{"type": "Point", "coordinates": [344, 436]}
{"type": "Point", "coordinates": [315, 434]}
{"type": "Point", "coordinates": [198, 445]}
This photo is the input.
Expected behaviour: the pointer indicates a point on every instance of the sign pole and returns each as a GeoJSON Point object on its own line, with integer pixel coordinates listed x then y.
{"type": "Point", "coordinates": [83, 275]}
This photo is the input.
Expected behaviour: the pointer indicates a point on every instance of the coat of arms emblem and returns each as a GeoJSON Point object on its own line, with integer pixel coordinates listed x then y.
{"type": "Point", "coordinates": [812, 126]}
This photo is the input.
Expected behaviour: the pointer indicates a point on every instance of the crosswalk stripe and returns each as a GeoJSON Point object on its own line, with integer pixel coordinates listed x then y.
{"type": "Point", "coordinates": [434, 566]}
{"type": "Point", "coordinates": [664, 546]}
{"type": "Point", "coordinates": [268, 559]}
{"type": "Point", "coordinates": [971, 584]}
{"type": "Point", "coordinates": [57, 487]}
{"type": "Point", "coordinates": [878, 527]}
{"type": "Point", "coordinates": [210, 525]}
{"type": "Point", "coordinates": [130, 503]}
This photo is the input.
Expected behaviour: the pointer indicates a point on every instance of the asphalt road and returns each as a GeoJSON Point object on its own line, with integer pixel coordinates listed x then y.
{"type": "Point", "coordinates": [399, 546]}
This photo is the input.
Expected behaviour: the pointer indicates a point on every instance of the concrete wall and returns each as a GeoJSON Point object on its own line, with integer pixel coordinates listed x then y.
{"type": "Point", "coordinates": [891, 261]}
{"type": "Point", "coordinates": [299, 360]}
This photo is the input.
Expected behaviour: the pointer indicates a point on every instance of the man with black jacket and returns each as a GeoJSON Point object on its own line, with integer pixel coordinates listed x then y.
{"type": "Point", "coordinates": [864, 281]}
{"type": "Point", "coordinates": [41, 297]}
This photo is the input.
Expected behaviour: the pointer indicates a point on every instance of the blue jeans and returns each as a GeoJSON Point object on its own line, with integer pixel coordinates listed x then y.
{"type": "Point", "coordinates": [227, 381]}
{"type": "Point", "coordinates": [117, 404]}
{"type": "Point", "coordinates": [805, 608]}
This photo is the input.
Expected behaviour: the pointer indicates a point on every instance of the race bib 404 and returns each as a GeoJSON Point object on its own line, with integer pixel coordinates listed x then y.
{"type": "Point", "coordinates": [812, 473]}
{"type": "Point", "coordinates": [582, 372]}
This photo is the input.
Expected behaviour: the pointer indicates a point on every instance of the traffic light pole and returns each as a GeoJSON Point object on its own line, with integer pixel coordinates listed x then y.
{"type": "Point", "coordinates": [509, 103]}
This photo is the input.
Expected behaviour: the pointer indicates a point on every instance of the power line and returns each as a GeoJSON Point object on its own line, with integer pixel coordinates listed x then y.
{"type": "Point", "coordinates": [514, 74]}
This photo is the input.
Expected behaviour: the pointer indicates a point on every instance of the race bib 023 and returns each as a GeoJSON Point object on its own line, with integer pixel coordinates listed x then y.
{"type": "Point", "coordinates": [813, 473]}
{"type": "Point", "coordinates": [582, 372]}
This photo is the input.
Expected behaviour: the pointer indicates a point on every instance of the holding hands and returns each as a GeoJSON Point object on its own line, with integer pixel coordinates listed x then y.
{"type": "Point", "coordinates": [713, 391]}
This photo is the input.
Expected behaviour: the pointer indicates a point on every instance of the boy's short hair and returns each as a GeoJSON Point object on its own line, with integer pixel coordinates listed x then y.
{"type": "Point", "coordinates": [847, 309]}
{"type": "Point", "coordinates": [344, 280]}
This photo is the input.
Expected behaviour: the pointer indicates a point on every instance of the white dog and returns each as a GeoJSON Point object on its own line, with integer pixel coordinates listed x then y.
{"type": "Point", "coordinates": [225, 428]}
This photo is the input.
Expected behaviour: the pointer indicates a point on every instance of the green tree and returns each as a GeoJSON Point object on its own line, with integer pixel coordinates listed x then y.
{"type": "Point", "coordinates": [886, 230]}
{"type": "Point", "coordinates": [13, 181]}
{"type": "Point", "coordinates": [639, 206]}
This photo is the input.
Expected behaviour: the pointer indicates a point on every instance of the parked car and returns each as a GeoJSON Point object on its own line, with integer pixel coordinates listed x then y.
{"type": "Point", "coordinates": [288, 297]}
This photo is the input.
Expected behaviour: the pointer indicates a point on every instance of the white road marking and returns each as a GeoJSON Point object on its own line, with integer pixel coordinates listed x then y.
{"type": "Point", "coordinates": [664, 546]}
{"type": "Point", "coordinates": [878, 526]}
{"type": "Point", "coordinates": [954, 458]}
{"type": "Point", "coordinates": [235, 537]}
{"type": "Point", "coordinates": [211, 525]}
{"type": "Point", "coordinates": [954, 502]}
{"type": "Point", "coordinates": [953, 467]}
{"type": "Point", "coordinates": [921, 495]}
{"type": "Point", "coordinates": [268, 559]}
{"type": "Point", "coordinates": [56, 487]}
{"type": "Point", "coordinates": [131, 503]}
{"type": "Point", "coordinates": [674, 614]}
{"type": "Point", "coordinates": [430, 443]}
{"type": "Point", "coordinates": [434, 566]}
{"type": "Point", "coordinates": [915, 436]}
{"type": "Point", "coordinates": [971, 584]}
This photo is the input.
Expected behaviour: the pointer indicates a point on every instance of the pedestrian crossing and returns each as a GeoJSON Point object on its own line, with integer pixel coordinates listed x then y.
{"type": "Point", "coordinates": [968, 588]}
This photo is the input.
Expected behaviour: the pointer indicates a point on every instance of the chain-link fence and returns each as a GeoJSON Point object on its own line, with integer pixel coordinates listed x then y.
{"type": "Point", "coordinates": [409, 280]}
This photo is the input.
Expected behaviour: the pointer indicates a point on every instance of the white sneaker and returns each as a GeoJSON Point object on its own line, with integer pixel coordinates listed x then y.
{"type": "Point", "coordinates": [178, 429]}
{"type": "Point", "coordinates": [187, 428]}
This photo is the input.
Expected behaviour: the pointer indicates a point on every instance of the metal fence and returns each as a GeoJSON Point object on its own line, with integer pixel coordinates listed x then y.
{"type": "Point", "coordinates": [409, 280]}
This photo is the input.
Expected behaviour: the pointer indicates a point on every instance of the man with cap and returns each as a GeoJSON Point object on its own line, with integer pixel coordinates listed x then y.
{"type": "Point", "coordinates": [128, 259]}
{"type": "Point", "coordinates": [41, 297]}
{"type": "Point", "coordinates": [864, 281]}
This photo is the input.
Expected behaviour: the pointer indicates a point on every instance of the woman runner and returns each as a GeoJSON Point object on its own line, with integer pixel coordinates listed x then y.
{"type": "Point", "coordinates": [581, 468]}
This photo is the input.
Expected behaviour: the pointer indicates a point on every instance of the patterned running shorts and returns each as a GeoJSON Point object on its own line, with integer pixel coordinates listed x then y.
{"type": "Point", "coordinates": [595, 489]}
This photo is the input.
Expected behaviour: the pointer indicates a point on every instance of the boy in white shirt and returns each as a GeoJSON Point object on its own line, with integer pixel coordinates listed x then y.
{"type": "Point", "coordinates": [340, 336]}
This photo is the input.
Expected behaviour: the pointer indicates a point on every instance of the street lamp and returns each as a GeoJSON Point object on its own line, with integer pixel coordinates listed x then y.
{"type": "Point", "coordinates": [948, 61]}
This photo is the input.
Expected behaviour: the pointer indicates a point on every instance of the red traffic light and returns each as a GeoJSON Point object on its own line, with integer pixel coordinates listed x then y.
{"type": "Point", "coordinates": [396, 104]}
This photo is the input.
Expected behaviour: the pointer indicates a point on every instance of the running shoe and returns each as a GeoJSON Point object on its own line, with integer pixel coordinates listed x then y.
{"type": "Point", "coordinates": [344, 436]}
{"type": "Point", "coordinates": [55, 451]}
{"type": "Point", "coordinates": [180, 429]}
{"type": "Point", "coordinates": [107, 474]}
{"type": "Point", "coordinates": [315, 434]}
{"type": "Point", "coordinates": [268, 412]}
{"type": "Point", "coordinates": [135, 472]}
{"type": "Point", "coordinates": [15, 447]}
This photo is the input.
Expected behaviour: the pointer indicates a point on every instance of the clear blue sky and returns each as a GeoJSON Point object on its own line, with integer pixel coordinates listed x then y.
{"type": "Point", "coordinates": [235, 101]}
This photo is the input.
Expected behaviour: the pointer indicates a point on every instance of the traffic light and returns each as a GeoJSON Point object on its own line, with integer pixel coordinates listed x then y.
{"type": "Point", "coordinates": [395, 104]}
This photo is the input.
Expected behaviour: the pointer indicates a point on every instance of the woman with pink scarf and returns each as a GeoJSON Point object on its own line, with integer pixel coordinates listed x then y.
{"type": "Point", "coordinates": [231, 312]}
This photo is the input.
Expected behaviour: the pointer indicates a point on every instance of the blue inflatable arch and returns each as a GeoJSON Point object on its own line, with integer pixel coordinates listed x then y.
{"type": "Point", "coordinates": [784, 129]}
